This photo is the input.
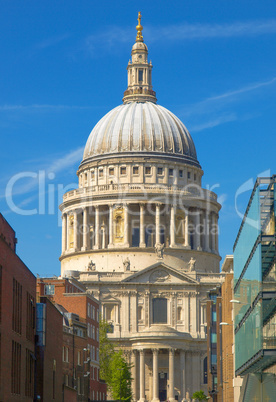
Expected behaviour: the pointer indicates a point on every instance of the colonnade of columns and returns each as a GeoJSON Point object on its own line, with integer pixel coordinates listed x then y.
{"type": "Point", "coordinates": [139, 379]}
{"type": "Point", "coordinates": [199, 228]}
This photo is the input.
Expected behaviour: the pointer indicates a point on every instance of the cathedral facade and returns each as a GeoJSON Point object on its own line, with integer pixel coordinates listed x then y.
{"type": "Point", "coordinates": [142, 235]}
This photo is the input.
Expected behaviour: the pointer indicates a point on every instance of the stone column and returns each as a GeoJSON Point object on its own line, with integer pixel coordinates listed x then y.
{"type": "Point", "coordinates": [202, 326]}
{"type": "Point", "coordinates": [142, 376]}
{"type": "Point", "coordinates": [171, 374]}
{"type": "Point", "coordinates": [215, 231]}
{"type": "Point", "coordinates": [110, 226]}
{"type": "Point", "coordinates": [64, 233]}
{"type": "Point", "coordinates": [96, 176]}
{"type": "Point", "coordinates": [195, 371]}
{"type": "Point", "coordinates": [197, 230]}
{"type": "Point", "coordinates": [89, 178]}
{"type": "Point", "coordinates": [85, 228]}
{"type": "Point", "coordinates": [134, 375]}
{"type": "Point", "coordinates": [68, 232]}
{"type": "Point", "coordinates": [97, 228]}
{"type": "Point", "coordinates": [155, 380]}
{"type": "Point", "coordinates": [126, 233]}
{"type": "Point", "coordinates": [142, 226]}
{"type": "Point", "coordinates": [157, 224]}
{"type": "Point", "coordinates": [76, 237]}
{"type": "Point", "coordinates": [183, 374]}
{"type": "Point", "coordinates": [103, 235]}
{"type": "Point", "coordinates": [207, 231]}
{"type": "Point", "coordinates": [187, 238]}
{"type": "Point", "coordinates": [213, 234]}
{"type": "Point", "coordinates": [172, 227]}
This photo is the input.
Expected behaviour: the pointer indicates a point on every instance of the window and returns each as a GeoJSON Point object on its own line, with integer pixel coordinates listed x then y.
{"type": "Point", "coordinates": [49, 289]}
{"type": "Point", "coordinates": [179, 313]}
{"type": "Point", "coordinates": [195, 176]}
{"type": "Point", "coordinates": [135, 237]}
{"type": "Point", "coordinates": [135, 169]}
{"type": "Point", "coordinates": [205, 380]}
{"type": "Point", "coordinates": [29, 370]}
{"type": "Point", "coordinates": [140, 313]}
{"type": "Point", "coordinates": [79, 358]}
{"type": "Point", "coordinates": [214, 316]}
{"type": "Point", "coordinates": [100, 172]}
{"type": "Point", "coordinates": [140, 75]}
{"type": "Point", "coordinates": [16, 368]}
{"type": "Point", "coordinates": [30, 317]}
{"type": "Point", "coordinates": [170, 172]}
{"type": "Point", "coordinates": [79, 386]}
{"type": "Point", "coordinates": [92, 174]}
{"type": "Point", "coordinates": [109, 310]}
{"type": "Point", "coordinates": [189, 175]}
{"type": "Point", "coordinates": [93, 316]}
{"type": "Point", "coordinates": [148, 170]}
{"type": "Point", "coordinates": [160, 171]}
{"type": "Point", "coordinates": [111, 171]}
{"type": "Point", "coordinates": [88, 309]}
{"type": "Point", "coordinates": [213, 359]}
{"type": "Point", "coordinates": [123, 170]}
{"type": "Point", "coordinates": [17, 307]}
{"type": "Point", "coordinates": [213, 337]}
{"type": "Point", "coordinates": [65, 354]}
{"type": "Point", "coordinates": [159, 311]}
{"type": "Point", "coordinates": [180, 173]}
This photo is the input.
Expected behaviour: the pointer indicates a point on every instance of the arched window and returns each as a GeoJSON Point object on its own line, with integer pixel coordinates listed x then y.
{"type": "Point", "coordinates": [159, 311]}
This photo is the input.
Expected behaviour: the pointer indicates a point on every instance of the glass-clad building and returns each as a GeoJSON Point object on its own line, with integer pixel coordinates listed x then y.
{"type": "Point", "coordinates": [255, 282]}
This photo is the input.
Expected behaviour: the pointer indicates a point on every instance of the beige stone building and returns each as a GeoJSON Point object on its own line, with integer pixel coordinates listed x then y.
{"type": "Point", "coordinates": [141, 233]}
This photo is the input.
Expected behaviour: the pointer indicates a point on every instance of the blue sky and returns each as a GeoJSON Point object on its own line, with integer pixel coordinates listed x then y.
{"type": "Point", "coordinates": [63, 66]}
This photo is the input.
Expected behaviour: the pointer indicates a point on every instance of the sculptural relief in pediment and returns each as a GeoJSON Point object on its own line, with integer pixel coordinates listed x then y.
{"type": "Point", "coordinates": [160, 275]}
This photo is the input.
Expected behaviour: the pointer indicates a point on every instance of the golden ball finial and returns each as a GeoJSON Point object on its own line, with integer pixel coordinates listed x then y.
{"type": "Point", "coordinates": [139, 37]}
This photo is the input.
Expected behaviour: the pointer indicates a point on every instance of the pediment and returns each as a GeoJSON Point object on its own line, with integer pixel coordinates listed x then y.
{"type": "Point", "coordinates": [160, 273]}
{"type": "Point", "coordinates": [110, 299]}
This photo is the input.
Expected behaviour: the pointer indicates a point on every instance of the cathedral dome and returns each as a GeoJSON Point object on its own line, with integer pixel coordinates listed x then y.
{"type": "Point", "coordinates": [140, 128]}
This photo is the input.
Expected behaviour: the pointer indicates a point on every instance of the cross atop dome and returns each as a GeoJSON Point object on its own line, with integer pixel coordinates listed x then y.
{"type": "Point", "coordinates": [139, 71]}
{"type": "Point", "coordinates": [139, 37]}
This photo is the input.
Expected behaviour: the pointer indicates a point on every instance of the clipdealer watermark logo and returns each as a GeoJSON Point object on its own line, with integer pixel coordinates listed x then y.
{"type": "Point", "coordinates": [48, 194]}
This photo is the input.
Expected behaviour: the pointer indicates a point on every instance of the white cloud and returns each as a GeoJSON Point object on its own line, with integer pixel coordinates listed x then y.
{"type": "Point", "coordinates": [54, 40]}
{"type": "Point", "coordinates": [216, 108]}
{"type": "Point", "coordinates": [112, 36]}
{"type": "Point", "coordinates": [34, 107]}
{"type": "Point", "coordinates": [247, 88]}
{"type": "Point", "coordinates": [213, 123]}
{"type": "Point", "coordinates": [66, 161]}
{"type": "Point", "coordinates": [206, 31]}
{"type": "Point", "coordinates": [27, 181]}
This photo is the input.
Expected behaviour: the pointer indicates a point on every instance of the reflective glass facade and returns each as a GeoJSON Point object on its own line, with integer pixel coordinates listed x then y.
{"type": "Point", "coordinates": [254, 282]}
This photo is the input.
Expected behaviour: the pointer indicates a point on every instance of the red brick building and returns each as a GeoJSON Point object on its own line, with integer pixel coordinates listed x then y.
{"type": "Point", "coordinates": [80, 335]}
{"type": "Point", "coordinates": [49, 384]}
{"type": "Point", "coordinates": [17, 321]}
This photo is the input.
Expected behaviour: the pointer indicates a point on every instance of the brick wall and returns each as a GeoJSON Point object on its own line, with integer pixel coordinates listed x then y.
{"type": "Point", "coordinates": [16, 337]}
